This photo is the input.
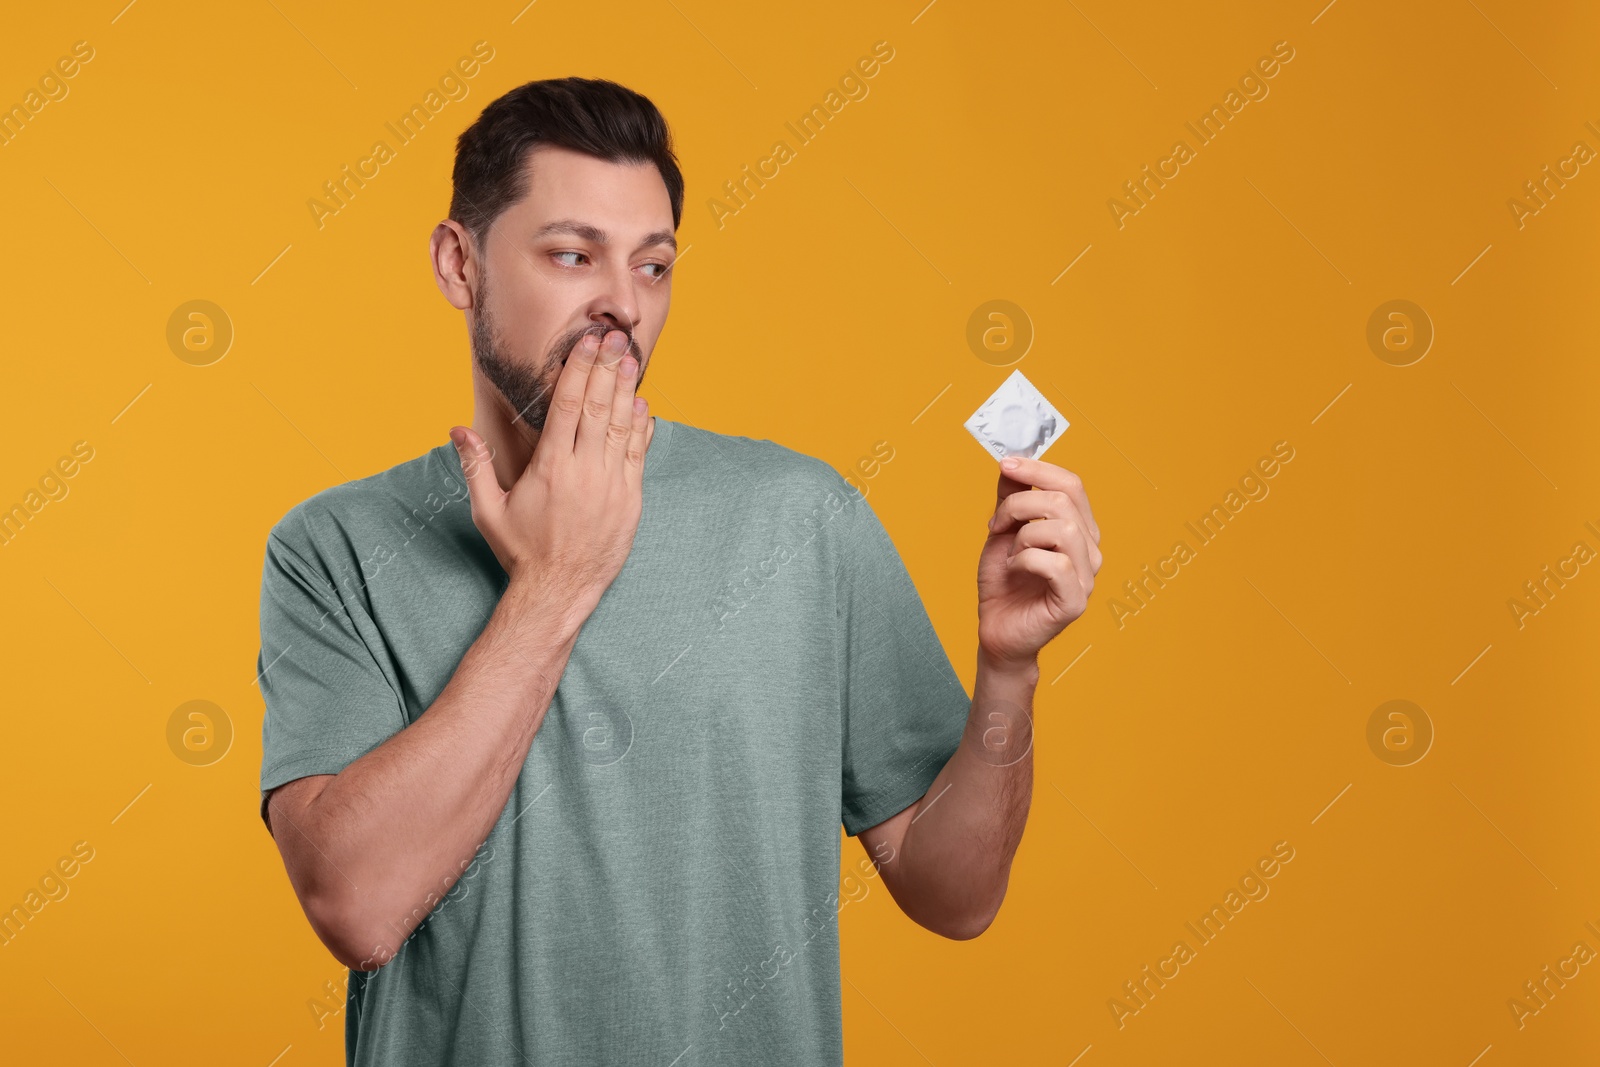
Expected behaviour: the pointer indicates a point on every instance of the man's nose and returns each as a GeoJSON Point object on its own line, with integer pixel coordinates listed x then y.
{"type": "Point", "coordinates": [616, 302]}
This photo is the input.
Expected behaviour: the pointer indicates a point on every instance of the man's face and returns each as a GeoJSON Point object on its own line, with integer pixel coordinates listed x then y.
{"type": "Point", "coordinates": [587, 250]}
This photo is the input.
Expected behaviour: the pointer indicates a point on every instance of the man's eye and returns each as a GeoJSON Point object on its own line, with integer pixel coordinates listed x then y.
{"type": "Point", "coordinates": [579, 255]}
{"type": "Point", "coordinates": [659, 268]}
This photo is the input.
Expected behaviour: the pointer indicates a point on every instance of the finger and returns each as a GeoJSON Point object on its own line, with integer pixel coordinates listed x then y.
{"type": "Point", "coordinates": [477, 467]}
{"type": "Point", "coordinates": [1007, 487]}
{"type": "Point", "coordinates": [621, 430]}
{"type": "Point", "coordinates": [595, 421]}
{"type": "Point", "coordinates": [638, 443]}
{"type": "Point", "coordinates": [1033, 504]}
{"type": "Point", "coordinates": [1054, 536]}
{"type": "Point", "coordinates": [1060, 535]}
{"type": "Point", "coordinates": [1055, 569]}
{"type": "Point", "coordinates": [1038, 507]}
{"type": "Point", "coordinates": [566, 403]}
{"type": "Point", "coordinates": [1049, 476]}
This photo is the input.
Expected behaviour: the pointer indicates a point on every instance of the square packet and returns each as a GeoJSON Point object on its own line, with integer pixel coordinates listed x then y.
{"type": "Point", "coordinates": [1016, 420]}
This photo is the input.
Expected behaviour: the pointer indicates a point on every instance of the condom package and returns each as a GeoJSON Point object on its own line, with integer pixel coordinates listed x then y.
{"type": "Point", "coordinates": [1016, 421]}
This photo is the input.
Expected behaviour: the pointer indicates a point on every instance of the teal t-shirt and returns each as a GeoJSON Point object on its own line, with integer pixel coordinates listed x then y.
{"type": "Point", "coordinates": [662, 886]}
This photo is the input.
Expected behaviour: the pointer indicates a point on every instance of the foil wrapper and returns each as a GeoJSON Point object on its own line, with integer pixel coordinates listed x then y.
{"type": "Point", "coordinates": [1016, 420]}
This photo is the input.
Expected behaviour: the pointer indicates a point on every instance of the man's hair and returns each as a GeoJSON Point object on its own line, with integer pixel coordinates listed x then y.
{"type": "Point", "coordinates": [597, 117]}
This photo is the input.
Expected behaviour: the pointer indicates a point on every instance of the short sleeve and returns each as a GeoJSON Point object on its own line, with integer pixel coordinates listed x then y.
{"type": "Point", "coordinates": [903, 707]}
{"type": "Point", "coordinates": [328, 700]}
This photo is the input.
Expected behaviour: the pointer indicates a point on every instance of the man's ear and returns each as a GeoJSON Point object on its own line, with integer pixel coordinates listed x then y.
{"type": "Point", "coordinates": [456, 263]}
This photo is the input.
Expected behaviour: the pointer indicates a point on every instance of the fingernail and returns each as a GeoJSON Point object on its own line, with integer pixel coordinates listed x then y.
{"type": "Point", "coordinates": [1010, 464]}
{"type": "Point", "coordinates": [629, 366]}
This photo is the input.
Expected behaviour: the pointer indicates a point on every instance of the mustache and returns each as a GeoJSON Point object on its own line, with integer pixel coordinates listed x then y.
{"type": "Point", "coordinates": [563, 346]}
{"type": "Point", "coordinates": [561, 349]}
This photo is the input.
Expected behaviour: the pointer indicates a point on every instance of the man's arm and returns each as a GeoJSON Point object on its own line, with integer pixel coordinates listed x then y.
{"type": "Point", "coordinates": [948, 856]}
{"type": "Point", "coordinates": [371, 850]}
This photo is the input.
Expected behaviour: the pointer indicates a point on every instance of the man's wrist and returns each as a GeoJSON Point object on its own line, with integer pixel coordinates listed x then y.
{"type": "Point", "coordinates": [532, 607]}
{"type": "Point", "coordinates": [1025, 671]}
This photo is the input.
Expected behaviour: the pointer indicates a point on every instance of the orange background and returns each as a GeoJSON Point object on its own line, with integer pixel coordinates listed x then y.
{"type": "Point", "coordinates": [829, 314]}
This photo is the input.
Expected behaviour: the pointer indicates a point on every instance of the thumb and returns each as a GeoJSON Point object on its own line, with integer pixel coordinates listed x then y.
{"type": "Point", "coordinates": [477, 467]}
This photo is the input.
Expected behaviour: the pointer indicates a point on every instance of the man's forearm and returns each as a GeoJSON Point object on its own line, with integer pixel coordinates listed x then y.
{"type": "Point", "coordinates": [955, 857]}
{"type": "Point", "coordinates": [386, 838]}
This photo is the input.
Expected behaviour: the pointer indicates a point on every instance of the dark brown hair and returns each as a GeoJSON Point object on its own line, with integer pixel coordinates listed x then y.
{"type": "Point", "coordinates": [597, 117]}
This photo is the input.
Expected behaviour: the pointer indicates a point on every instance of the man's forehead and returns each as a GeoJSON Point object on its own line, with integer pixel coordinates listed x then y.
{"type": "Point", "coordinates": [560, 182]}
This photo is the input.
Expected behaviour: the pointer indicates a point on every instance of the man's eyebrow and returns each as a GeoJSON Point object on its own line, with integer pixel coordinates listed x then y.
{"type": "Point", "coordinates": [660, 237]}
{"type": "Point", "coordinates": [593, 233]}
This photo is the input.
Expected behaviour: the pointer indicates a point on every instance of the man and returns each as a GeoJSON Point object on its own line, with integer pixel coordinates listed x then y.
{"type": "Point", "coordinates": [563, 716]}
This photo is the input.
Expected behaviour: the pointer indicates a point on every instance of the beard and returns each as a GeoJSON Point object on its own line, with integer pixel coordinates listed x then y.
{"type": "Point", "coordinates": [528, 389]}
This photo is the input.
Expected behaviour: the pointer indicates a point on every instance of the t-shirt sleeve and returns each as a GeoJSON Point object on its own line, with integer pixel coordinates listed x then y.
{"type": "Point", "coordinates": [328, 699]}
{"type": "Point", "coordinates": [903, 707]}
